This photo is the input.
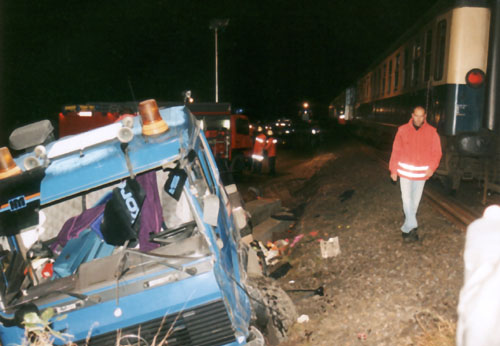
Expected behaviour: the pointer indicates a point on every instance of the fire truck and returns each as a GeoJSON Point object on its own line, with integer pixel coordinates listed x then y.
{"type": "Point", "coordinates": [74, 119]}
{"type": "Point", "coordinates": [228, 134]}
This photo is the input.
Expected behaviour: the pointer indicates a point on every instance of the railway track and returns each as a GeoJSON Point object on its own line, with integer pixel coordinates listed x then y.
{"type": "Point", "coordinates": [461, 216]}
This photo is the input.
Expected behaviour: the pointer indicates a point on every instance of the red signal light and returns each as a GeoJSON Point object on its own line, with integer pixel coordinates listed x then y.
{"type": "Point", "coordinates": [475, 78]}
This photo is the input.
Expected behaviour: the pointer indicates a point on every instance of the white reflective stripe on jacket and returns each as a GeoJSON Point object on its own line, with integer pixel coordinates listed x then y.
{"type": "Point", "coordinates": [257, 157]}
{"type": "Point", "coordinates": [411, 171]}
{"type": "Point", "coordinates": [410, 175]}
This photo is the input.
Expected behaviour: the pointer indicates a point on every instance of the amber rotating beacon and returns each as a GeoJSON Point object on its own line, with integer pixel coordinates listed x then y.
{"type": "Point", "coordinates": [152, 123]}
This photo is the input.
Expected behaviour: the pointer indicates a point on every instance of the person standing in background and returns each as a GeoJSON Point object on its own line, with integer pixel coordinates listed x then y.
{"type": "Point", "coordinates": [258, 151]}
{"type": "Point", "coordinates": [271, 152]}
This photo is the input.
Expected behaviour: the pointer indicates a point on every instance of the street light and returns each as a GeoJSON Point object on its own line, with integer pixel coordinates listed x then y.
{"type": "Point", "coordinates": [187, 97]}
{"type": "Point", "coordinates": [215, 25]}
{"type": "Point", "coordinates": [305, 113]}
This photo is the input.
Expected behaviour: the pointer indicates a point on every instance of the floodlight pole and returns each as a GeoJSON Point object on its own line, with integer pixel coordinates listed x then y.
{"type": "Point", "coordinates": [215, 25]}
{"type": "Point", "coordinates": [216, 68]}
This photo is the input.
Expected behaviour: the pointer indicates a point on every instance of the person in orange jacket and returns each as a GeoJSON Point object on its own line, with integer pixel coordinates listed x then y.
{"type": "Point", "coordinates": [415, 156]}
{"type": "Point", "coordinates": [271, 152]}
{"type": "Point", "coordinates": [258, 152]}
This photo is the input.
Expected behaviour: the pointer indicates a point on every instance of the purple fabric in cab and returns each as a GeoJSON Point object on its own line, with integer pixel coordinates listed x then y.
{"type": "Point", "coordinates": [151, 213]}
{"type": "Point", "coordinates": [151, 217]}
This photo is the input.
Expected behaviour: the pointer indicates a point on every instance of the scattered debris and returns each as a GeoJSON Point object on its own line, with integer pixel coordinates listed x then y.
{"type": "Point", "coordinates": [303, 319]}
{"type": "Point", "coordinates": [320, 291]}
{"type": "Point", "coordinates": [296, 240]}
{"type": "Point", "coordinates": [284, 216]}
{"type": "Point", "coordinates": [272, 256]}
{"type": "Point", "coordinates": [362, 336]}
{"type": "Point", "coordinates": [281, 244]}
{"type": "Point", "coordinates": [330, 248]}
{"type": "Point", "coordinates": [271, 252]}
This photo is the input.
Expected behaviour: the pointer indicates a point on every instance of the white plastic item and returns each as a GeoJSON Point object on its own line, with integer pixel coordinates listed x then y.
{"type": "Point", "coordinates": [330, 248]}
{"type": "Point", "coordinates": [303, 319]}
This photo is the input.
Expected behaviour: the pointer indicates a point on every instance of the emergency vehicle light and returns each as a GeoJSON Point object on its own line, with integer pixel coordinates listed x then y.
{"type": "Point", "coordinates": [8, 167]}
{"type": "Point", "coordinates": [152, 123]}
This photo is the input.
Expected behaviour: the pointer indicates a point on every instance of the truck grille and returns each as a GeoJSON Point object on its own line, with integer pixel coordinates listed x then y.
{"type": "Point", "coordinates": [205, 325]}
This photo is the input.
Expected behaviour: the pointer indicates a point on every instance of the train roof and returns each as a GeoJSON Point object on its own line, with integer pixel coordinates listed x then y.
{"type": "Point", "coordinates": [439, 8]}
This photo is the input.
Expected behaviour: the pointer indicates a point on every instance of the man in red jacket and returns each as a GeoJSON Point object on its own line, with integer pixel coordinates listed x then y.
{"type": "Point", "coordinates": [416, 153]}
{"type": "Point", "coordinates": [271, 152]}
{"type": "Point", "coordinates": [258, 151]}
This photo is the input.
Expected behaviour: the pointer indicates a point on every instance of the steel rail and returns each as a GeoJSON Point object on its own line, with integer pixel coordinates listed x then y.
{"type": "Point", "coordinates": [459, 215]}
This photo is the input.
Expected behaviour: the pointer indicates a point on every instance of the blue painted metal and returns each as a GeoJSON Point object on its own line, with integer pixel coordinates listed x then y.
{"type": "Point", "coordinates": [104, 164]}
{"type": "Point", "coordinates": [228, 271]}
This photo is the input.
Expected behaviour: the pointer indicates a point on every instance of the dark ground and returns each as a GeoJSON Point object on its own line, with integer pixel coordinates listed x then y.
{"type": "Point", "coordinates": [379, 290]}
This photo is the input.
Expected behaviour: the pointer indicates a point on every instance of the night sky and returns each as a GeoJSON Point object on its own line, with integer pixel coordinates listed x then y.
{"type": "Point", "coordinates": [273, 55]}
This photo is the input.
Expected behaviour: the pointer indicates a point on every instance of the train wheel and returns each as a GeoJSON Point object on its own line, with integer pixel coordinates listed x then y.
{"type": "Point", "coordinates": [450, 184]}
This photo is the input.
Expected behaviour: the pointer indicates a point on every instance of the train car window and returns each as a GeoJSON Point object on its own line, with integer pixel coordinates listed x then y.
{"type": "Point", "coordinates": [367, 86]}
{"type": "Point", "coordinates": [389, 78]}
{"type": "Point", "coordinates": [374, 84]}
{"type": "Point", "coordinates": [363, 88]}
{"type": "Point", "coordinates": [379, 80]}
{"type": "Point", "coordinates": [440, 50]}
{"type": "Point", "coordinates": [428, 54]}
{"type": "Point", "coordinates": [384, 72]}
{"type": "Point", "coordinates": [417, 57]}
{"type": "Point", "coordinates": [396, 71]}
{"type": "Point", "coordinates": [406, 70]}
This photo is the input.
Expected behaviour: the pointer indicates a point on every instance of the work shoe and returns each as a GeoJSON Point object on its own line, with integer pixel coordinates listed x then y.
{"type": "Point", "coordinates": [413, 236]}
{"type": "Point", "coordinates": [410, 236]}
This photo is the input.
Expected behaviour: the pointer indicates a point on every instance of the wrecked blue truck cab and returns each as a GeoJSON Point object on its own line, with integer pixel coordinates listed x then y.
{"type": "Point", "coordinates": [126, 234]}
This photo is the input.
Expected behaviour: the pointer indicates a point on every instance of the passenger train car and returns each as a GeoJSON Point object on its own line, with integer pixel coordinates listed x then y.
{"type": "Point", "coordinates": [440, 63]}
{"type": "Point", "coordinates": [342, 107]}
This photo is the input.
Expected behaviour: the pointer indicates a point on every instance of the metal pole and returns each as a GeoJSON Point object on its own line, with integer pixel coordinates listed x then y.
{"type": "Point", "coordinates": [216, 70]}
{"type": "Point", "coordinates": [215, 24]}
{"type": "Point", "coordinates": [490, 120]}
